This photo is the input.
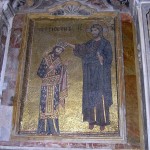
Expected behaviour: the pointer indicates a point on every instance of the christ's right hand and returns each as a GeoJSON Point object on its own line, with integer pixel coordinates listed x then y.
{"type": "Point", "coordinates": [70, 45]}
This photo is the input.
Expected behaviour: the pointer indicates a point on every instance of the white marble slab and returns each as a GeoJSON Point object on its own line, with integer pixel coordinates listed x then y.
{"type": "Point", "coordinates": [5, 122]}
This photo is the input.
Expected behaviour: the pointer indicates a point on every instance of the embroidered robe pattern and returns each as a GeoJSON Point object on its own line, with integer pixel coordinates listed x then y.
{"type": "Point", "coordinates": [53, 93]}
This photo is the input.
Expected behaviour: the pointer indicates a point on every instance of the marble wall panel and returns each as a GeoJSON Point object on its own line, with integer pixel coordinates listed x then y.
{"type": "Point", "coordinates": [12, 60]}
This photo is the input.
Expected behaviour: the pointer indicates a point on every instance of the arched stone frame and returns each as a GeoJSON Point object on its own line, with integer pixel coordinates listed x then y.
{"type": "Point", "coordinates": [72, 10]}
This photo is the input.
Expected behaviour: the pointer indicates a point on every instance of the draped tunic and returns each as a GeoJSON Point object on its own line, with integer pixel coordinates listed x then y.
{"type": "Point", "coordinates": [96, 76]}
{"type": "Point", "coordinates": [54, 86]}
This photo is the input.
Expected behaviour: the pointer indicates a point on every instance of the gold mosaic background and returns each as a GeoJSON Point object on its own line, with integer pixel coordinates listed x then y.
{"type": "Point", "coordinates": [44, 39]}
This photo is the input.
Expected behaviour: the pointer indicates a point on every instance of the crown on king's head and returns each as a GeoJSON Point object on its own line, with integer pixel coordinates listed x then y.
{"type": "Point", "coordinates": [61, 44]}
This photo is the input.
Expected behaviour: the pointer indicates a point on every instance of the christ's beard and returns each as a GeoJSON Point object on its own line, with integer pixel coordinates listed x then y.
{"type": "Point", "coordinates": [96, 36]}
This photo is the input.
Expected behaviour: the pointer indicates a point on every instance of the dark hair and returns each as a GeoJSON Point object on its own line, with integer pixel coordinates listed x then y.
{"type": "Point", "coordinates": [97, 26]}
